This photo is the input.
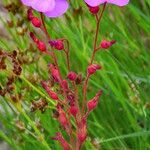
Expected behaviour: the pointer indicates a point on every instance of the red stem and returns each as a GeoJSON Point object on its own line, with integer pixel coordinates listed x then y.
{"type": "Point", "coordinates": [56, 64]}
{"type": "Point", "coordinates": [96, 33]}
{"type": "Point", "coordinates": [98, 20]}
{"type": "Point", "coordinates": [67, 54]}
{"type": "Point", "coordinates": [44, 26]}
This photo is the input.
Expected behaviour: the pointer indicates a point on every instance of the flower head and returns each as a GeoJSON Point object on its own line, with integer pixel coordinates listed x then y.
{"type": "Point", "coordinates": [94, 3]}
{"type": "Point", "coordinates": [51, 8]}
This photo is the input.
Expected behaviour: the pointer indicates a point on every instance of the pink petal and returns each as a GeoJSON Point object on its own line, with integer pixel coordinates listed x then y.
{"type": "Point", "coordinates": [118, 2]}
{"type": "Point", "coordinates": [115, 2]}
{"type": "Point", "coordinates": [40, 5]}
{"type": "Point", "coordinates": [60, 8]}
{"type": "Point", "coordinates": [28, 2]}
{"type": "Point", "coordinates": [94, 2]}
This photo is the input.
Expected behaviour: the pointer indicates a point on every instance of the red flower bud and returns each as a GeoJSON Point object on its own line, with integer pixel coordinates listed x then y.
{"type": "Point", "coordinates": [36, 22]}
{"type": "Point", "coordinates": [94, 10]}
{"type": "Point", "coordinates": [59, 45]}
{"type": "Point", "coordinates": [92, 104]}
{"type": "Point", "coordinates": [72, 76]}
{"type": "Point", "coordinates": [63, 119]}
{"type": "Point", "coordinates": [30, 14]}
{"type": "Point", "coordinates": [33, 37]}
{"type": "Point", "coordinates": [82, 136]}
{"type": "Point", "coordinates": [52, 94]}
{"type": "Point", "coordinates": [55, 73]}
{"type": "Point", "coordinates": [41, 46]}
{"type": "Point", "coordinates": [64, 85]}
{"type": "Point", "coordinates": [74, 110]}
{"type": "Point", "coordinates": [82, 130]}
{"type": "Point", "coordinates": [93, 68]}
{"type": "Point", "coordinates": [106, 44]}
{"type": "Point", "coordinates": [62, 141]}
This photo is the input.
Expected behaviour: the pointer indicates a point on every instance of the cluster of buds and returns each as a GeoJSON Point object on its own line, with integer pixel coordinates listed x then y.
{"type": "Point", "coordinates": [68, 106]}
{"type": "Point", "coordinates": [67, 102]}
{"type": "Point", "coordinates": [34, 20]}
{"type": "Point", "coordinates": [57, 44]}
{"type": "Point", "coordinates": [37, 23]}
{"type": "Point", "coordinates": [40, 44]}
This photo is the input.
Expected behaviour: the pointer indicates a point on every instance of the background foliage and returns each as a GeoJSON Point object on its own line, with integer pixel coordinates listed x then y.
{"type": "Point", "coordinates": [122, 119]}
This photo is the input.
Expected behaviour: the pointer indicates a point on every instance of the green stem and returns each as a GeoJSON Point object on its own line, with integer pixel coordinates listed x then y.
{"type": "Point", "coordinates": [36, 130]}
{"type": "Point", "coordinates": [132, 135]}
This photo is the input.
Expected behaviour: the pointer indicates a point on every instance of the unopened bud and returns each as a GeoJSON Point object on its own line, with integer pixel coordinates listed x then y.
{"type": "Point", "coordinates": [64, 85]}
{"type": "Point", "coordinates": [82, 130]}
{"type": "Point", "coordinates": [93, 68]}
{"type": "Point", "coordinates": [59, 45]}
{"type": "Point", "coordinates": [92, 104]}
{"type": "Point", "coordinates": [63, 119]}
{"type": "Point", "coordinates": [94, 10]}
{"type": "Point", "coordinates": [52, 94]}
{"type": "Point", "coordinates": [41, 46]}
{"type": "Point", "coordinates": [106, 44]}
{"type": "Point", "coordinates": [82, 137]}
{"type": "Point", "coordinates": [33, 37]}
{"type": "Point", "coordinates": [36, 22]}
{"type": "Point", "coordinates": [30, 14]}
{"type": "Point", "coordinates": [74, 110]}
{"type": "Point", "coordinates": [72, 76]}
{"type": "Point", "coordinates": [55, 73]}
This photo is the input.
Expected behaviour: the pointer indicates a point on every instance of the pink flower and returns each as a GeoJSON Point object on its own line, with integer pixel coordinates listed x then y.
{"type": "Point", "coordinates": [94, 3]}
{"type": "Point", "coordinates": [51, 8]}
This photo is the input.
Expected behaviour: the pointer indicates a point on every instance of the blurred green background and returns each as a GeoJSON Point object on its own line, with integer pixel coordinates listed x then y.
{"type": "Point", "coordinates": [122, 119]}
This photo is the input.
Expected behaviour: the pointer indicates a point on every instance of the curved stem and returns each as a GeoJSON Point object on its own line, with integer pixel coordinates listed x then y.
{"type": "Point", "coordinates": [67, 55]}
{"type": "Point", "coordinates": [52, 54]}
{"type": "Point", "coordinates": [96, 33]}
{"type": "Point", "coordinates": [44, 26]}
{"type": "Point", "coordinates": [98, 20]}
